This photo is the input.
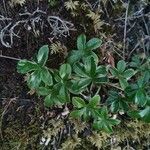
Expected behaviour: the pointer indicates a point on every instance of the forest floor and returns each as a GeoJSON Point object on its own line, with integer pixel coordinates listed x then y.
{"type": "Point", "coordinates": [25, 123]}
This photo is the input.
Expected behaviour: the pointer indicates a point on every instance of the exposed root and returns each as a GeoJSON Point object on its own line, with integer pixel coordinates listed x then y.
{"type": "Point", "coordinates": [36, 22]}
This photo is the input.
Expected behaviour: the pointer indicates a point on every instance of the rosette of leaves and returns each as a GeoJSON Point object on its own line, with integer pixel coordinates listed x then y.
{"type": "Point", "coordinates": [58, 93]}
{"type": "Point", "coordinates": [87, 73]}
{"type": "Point", "coordinates": [37, 72]}
{"type": "Point", "coordinates": [84, 49]}
{"type": "Point", "coordinates": [121, 73]}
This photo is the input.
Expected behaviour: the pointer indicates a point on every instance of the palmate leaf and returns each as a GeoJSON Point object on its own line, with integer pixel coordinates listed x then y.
{"type": "Point", "coordinates": [122, 74]}
{"type": "Point", "coordinates": [103, 122]}
{"type": "Point", "coordinates": [87, 73]}
{"type": "Point", "coordinates": [84, 49]}
{"type": "Point", "coordinates": [117, 102]}
{"type": "Point", "coordinates": [85, 110]}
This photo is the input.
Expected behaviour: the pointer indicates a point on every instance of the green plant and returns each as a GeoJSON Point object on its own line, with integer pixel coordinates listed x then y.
{"type": "Point", "coordinates": [122, 74]}
{"type": "Point", "coordinates": [81, 80]}
{"type": "Point", "coordinates": [38, 73]}
{"type": "Point", "coordinates": [87, 73]}
{"type": "Point", "coordinates": [92, 109]}
{"type": "Point", "coordinates": [84, 49]}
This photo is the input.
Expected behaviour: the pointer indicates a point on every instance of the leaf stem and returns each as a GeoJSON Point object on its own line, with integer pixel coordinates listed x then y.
{"type": "Point", "coordinates": [115, 86]}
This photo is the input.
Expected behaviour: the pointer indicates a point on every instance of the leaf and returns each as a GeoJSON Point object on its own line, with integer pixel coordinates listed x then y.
{"type": "Point", "coordinates": [128, 73]}
{"type": "Point", "coordinates": [77, 113]}
{"type": "Point", "coordinates": [90, 66]}
{"type": "Point", "coordinates": [25, 66]}
{"type": "Point", "coordinates": [94, 101]}
{"type": "Point", "coordinates": [105, 124]}
{"type": "Point", "coordinates": [80, 70]}
{"type": "Point", "coordinates": [46, 77]}
{"type": "Point", "coordinates": [145, 114]}
{"type": "Point", "coordinates": [101, 71]}
{"type": "Point", "coordinates": [114, 72]}
{"type": "Point", "coordinates": [74, 56]}
{"type": "Point", "coordinates": [81, 42]}
{"type": "Point", "coordinates": [123, 83]}
{"type": "Point", "coordinates": [93, 44]}
{"type": "Point", "coordinates": [48, 102]}
{"type": "Point", "coordinates": [121, 65]}
{"type": "Point", "coordinates": [134, 114]}
{"type": "Point", "coordinates": [64, 95]}
{"type": "Point", "coordinates": [34, 79]}
{"type": "Point", "coordinates": [43, 91]}
{"type": "Point", "coordinates": [78, 102]}
{"type": "Point", "coordinates": [42, 55]}
{"type": "Point", "coordinates": [140, 98]}
{"type": "Point", "coordinates": [79, 86]}
{"type": "Point", "coordinates": [65, 71]}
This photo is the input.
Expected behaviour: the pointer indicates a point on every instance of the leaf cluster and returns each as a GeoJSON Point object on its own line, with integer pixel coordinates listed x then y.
{"type": "Point", "coordinates": [73, 84]}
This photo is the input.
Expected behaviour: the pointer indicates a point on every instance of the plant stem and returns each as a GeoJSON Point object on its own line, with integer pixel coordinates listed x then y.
{"type": "Point", "coordinates": [110, 84]}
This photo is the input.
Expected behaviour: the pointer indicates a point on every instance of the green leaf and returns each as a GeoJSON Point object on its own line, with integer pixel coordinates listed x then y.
{"type": "Point", "coordinates": [145, 114]}
{"type": "Point", "coordinates": [81, 42]}
{"type": "Point", "coordinates": [114, 72]}
{"type": "Point", "coordinates": [93, 44]}
{"type": "Point", "coordinates": [64, 95]}
{"type": "Point", "coordinates": [134, 114]}
{"type": "Point", "coordinates": [34, 79]}
{"type": "Point", "coordinates": [78, 102]}
{"type": "Point", "coordinates": [94, 101]}
{"type": "Point", "coordinates": [77, 113]}
{"type": "Point", "coordinates": [42, 55]}
{"type": "Point", "coordinates": [46, 77]}
{"type": "Point", "coordinates": [105, 124]}
{"type": "Point", "coordinates": [90, 66]}
{"type": "Point", "coordinates": [48, 102]}
{"type": "Point", "coordinates": [79, 86]}
{"type": "Point", "coordinates": [65, 71]}
{"type": "Point", "coordinates": [123, 83]}
{"type": "Point", "coordinates": [121, 65]}
{"type": "Point", "coordinates": [43, 91]}
{"type": "Point", "coordinates": [74, 56]}
{"type": "Point", "coordinates": [80, 70]}
{"type": "Point", "coordinates": [25, 66]}
{"type": "Point", "coordinates": [140, 98]}
{"type": "Point", "coordinates": [128, 73]}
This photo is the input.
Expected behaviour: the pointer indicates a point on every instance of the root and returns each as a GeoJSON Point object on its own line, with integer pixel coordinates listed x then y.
{"type": "Point", "coordinates": [36, 22]}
